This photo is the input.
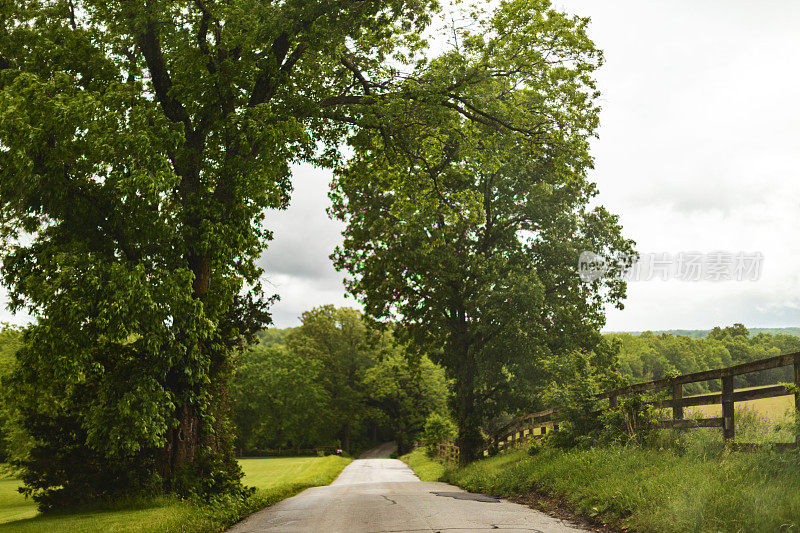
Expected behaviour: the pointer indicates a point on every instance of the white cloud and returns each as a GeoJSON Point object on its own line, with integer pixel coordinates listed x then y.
{"type": "Point", "coordinates": [698, 150]}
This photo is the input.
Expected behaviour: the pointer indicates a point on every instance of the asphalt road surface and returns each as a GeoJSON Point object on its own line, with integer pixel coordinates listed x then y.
{"type": "Point", "coordinates": [384, 495]}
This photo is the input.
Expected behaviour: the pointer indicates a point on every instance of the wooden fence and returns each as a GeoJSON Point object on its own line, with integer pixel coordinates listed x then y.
{"type": "Point", "coordinates": [448, 451]}
{"type": "Point", "coordinates": [536, 425]}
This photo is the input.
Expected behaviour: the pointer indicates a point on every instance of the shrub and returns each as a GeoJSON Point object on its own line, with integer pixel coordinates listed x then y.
{"type": "Point", "coordinates": [578, 379]}
{"type": "Point", "coordinates": [438, 428]}
{"type": "Point", "coordinates": [535, 447]}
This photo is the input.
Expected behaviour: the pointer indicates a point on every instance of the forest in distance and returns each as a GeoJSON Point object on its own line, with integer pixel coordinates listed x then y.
{"type": "Point", "coordinates": [335, 381]}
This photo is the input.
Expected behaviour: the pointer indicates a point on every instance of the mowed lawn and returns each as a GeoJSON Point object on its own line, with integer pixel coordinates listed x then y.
{"type": "Point", "coordinates": [269, 472]}
{"type": "Point", "coordinates": [275, 479]}
{"type": "Point", "coordinates": [14, 506]}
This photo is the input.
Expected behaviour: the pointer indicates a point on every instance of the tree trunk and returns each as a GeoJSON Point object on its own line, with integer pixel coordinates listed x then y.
{"type": "Point", "coordinates": [182, 442]}
{"type": "Point", "coordinates": [469, 438]}
{"type": "Point", "coordinates": [468, 418]}
{"type": "Point", "coordinates": [346, 438]}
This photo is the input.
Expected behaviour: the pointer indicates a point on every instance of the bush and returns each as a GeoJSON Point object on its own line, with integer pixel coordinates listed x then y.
{"type": "Point", "coordinates": [578, 380]}
{"type": "Point", "coordinates": [438, 428]}
{"type": "Point", "coordinates": [535, 447]}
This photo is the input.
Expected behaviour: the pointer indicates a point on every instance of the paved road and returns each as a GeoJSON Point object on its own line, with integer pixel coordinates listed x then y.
{"type": "Point", "coordinates": [384, 495]}
{"type": "Point", "coordinates": [384, 451]}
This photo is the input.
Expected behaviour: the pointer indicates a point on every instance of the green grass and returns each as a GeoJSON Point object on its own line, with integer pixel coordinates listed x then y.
{"type": "Point", "coordinates": [14, 506]}
{"type": "Point", "coordinates": [425, 468]}
{"type": "Point", "coordinates": [651, 490]}
{"type": "Point", "coordinates": [282, 477]}
{"type": "Point", "coordinates": [275, 479]}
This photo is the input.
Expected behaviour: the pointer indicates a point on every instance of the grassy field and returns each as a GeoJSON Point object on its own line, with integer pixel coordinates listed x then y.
{"type": "Point", "coordinates": [279, 474]}
{"type": "Point", "coordinates": [649, 490]}
{"type": "Point", "coordinates": [275, 479]}
{"type": "Point", "coordinates": [773, 408]}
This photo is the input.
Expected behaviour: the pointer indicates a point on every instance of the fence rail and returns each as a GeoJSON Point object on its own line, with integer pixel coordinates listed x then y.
{"type": "Point", "coordinates": [448, 451]}
{"type": "Point", "coordinates": [536, 425]}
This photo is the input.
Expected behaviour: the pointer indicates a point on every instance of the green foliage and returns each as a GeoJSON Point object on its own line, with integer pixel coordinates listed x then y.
{"type": "Point", "coordinates": [536, 446]}
{"type": "Point", "coordinates": [406, 391]}
{"type": "Point", "coordinates": [438, 429]}
{"type": "Point", "coordinates": [649, 356]}
{"type": "Point", "coordinates": [342, 344]}
{"type": "Point", "coordinates": [337, 381]}
{"type": "Point", "coordinates": [470, 238]}
{"type": "Point", "coordinates": [577, 380]}
{"type": "Point", "coordinates": [278, 400]}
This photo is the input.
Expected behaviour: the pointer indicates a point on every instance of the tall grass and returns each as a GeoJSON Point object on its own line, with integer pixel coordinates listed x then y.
{"type": "Point", "coordinates": [423, 466]}
{"type": "Point", "coordinates": [685, 481]}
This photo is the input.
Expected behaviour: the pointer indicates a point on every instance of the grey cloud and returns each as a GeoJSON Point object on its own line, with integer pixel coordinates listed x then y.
{"type": "Point", "coordinates": [304, 236]}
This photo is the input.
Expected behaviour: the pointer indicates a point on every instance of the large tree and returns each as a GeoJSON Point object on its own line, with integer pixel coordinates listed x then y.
{"type": "Point", "coordinates": [406, 390]}
{"type": "Point", "coordinates": [345, 347]}
{"type": "Point", "coordinates": [470, 238]}
{"type": "Point", "coordinates": [279, 401]}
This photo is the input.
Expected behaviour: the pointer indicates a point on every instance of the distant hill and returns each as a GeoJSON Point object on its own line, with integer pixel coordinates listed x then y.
{"type": "Point", "coordinates": [703, 333]}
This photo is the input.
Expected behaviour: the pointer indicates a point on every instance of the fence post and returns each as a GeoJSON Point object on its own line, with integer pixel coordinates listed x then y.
{"type": "Point", "coordinates": [797, 393]}
{"type": "Point", "coordinates": [677, 401]}
{"type": "Point", "coordinates": [728, 428]}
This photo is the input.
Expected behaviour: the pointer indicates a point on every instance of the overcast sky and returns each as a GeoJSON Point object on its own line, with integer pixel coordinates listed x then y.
{"type": "Point", "coordinates": [698, 150]}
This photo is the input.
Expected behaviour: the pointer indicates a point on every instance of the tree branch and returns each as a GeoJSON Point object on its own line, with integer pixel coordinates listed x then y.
{"type": "Point", "coordinates": [266, 83]}
{"type": "Point", "coordinates": [347, 99]}
{"type": "Point", "coordinates": [72, 15]}
{"type": "Point", "coordinates": [162, 83]}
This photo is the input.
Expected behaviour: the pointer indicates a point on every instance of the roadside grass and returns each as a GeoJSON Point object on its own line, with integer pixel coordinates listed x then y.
{"type": "Point", "coordinates": [274, 478]}
{"type": "Point", "coordinates": [423, 466]}
{"type": "Point", "coordinates": [697, 488]}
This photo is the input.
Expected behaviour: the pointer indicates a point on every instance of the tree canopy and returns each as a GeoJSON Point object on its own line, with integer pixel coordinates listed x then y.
{"type": "Point", "coordinates": [470, 238]}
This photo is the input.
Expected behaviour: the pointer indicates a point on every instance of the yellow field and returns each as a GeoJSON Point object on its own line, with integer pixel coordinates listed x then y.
{"type": "Point", "coordinates": [773, 408]}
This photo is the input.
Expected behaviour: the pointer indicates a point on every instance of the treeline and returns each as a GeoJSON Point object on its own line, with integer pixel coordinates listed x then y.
{"type": "Point", "coordinates": [650, 356]}
{"type": "Point", "coordinates": [337, 381]}
{"type": "Point", "coordinates": [334, 381]}
{"type": "Point", "coordinates": [701, 333]}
